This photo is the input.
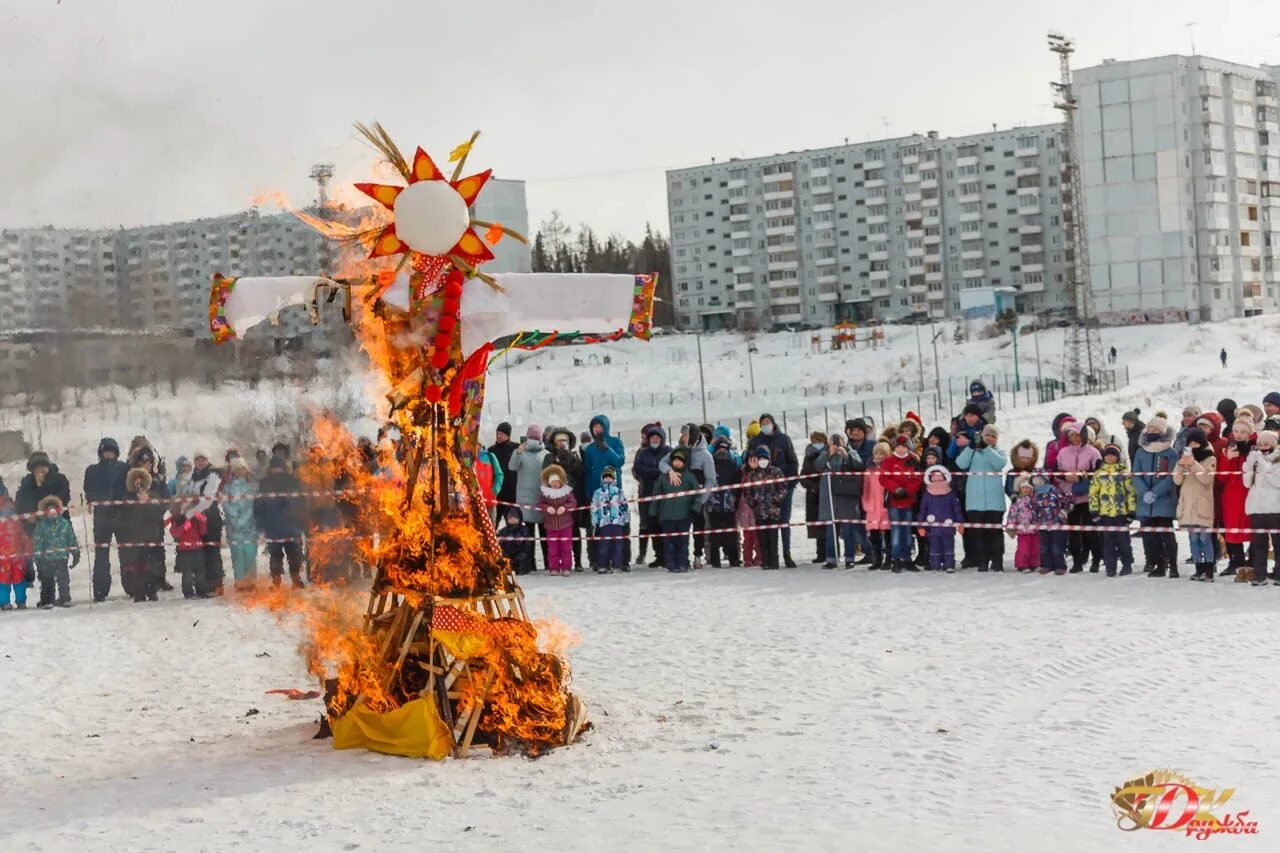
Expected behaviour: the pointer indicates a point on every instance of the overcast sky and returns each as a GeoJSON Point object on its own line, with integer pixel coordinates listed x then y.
{"type": "Point", "coordinates": [125, 112]}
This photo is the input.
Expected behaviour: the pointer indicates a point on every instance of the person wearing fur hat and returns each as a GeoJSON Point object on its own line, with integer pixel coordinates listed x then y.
{"type": "Point", "coordinates": [1112, 503]}
{"type": "Point", "coordinates": [526, 466]}
{"type": "Point", "coordinates": [104, 483]}
{"type": "Point", "coordinates": [1254, 412]}
{"type": "Point", "coordinates": [900, 476]}
{"type": "Point", "coordinates": [563, 450]}
{"type": "Point", "coordinates": [764, 492]}
{"type": "Point", "coordinates": [984, 498]}
{"type": "Point", "coordinates": [556, 503]}
{"type": "Point", "coordinates": [610, 518]}
{"type": "Point", "coordinates": [1232, 494]}
{"type": "Point", "coordinates": [1262, 477]}
{"type": "Point", "coordinates": [981, 397]}
{"type": "Point", "coordinates": [141, 525]}
{"type": "Point", "coordinates": [811, 483]}
{"type": "Point", "coordinates": [1194, 476]}
{"type": "Point", "coordinates": [935, 455]}
{"type": "Point", "coordinates": [1021, 521]}
{"type": "Point", "coordinates": [54, 544]}
{"type": "Point", "coordinates": [645, 468]}
{"type": "Point", "coordinates": [940, 511]}
{"type": "Point", "coordinates": [840, 500]}
{"type": "Point", "coordinates": [1076, 459]}
{"type": "Point", "coordinates": [912, 426]}
{"type": "Point", "coordinates": [43, 480]}
{"type": "Point", "coordinates": [1023, 459]}
{"type": "Point", "coordinates": [1157, 497]}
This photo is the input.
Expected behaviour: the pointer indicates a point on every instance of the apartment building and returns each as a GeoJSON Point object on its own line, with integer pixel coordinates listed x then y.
{"type": "Point", "coordinates": [877, 230]}
{"type": "Point", "coordinates": [1180, 162]}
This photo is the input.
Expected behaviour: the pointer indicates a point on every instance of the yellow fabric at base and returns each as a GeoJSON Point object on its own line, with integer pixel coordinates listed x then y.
{"type": "Point", "coordinates": [413, 730]}
{"type": "Point", "coordinates": [462, 644]}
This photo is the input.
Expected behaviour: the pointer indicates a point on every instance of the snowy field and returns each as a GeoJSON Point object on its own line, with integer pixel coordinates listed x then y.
{"type": "Point", "coordinates": [802, 710]}
{"type": "Point", "coordinates": [734, 709]}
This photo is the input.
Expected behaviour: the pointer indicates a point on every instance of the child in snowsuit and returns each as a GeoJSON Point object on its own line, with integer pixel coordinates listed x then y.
{"type": "Point", "coordinates": [722, 506]}
{"type": "Point", "coordinates": [766, 499]}
{"type": "Point", "coordinates": [610, 519]}
{"type": "Point", "coordinates": [141, 526]}
{"type": "Point", "coordinates": [746, 520]}
{"type": "Point", "coordinates": [1021, 521]}
{"type": "Point", "coordinates": [516, 543]}
{"type": "Point", "coordinates": [1112, 502]}
{"type": "Point", "coordinates": [15, 547]}
{"type": "Point", "coordinates": [941, 508]}
{"type": "Point", "coordinates": [54, 543]}
{"type": "Point", "coordinates": [557, 504]}
{"type": "Point", "coordinates": [1050, 506]}
{"type": "Point", "coordinates": [188, 533]}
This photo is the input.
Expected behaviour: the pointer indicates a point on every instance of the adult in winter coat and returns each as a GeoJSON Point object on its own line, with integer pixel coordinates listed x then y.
{"type": "Point", "coordinates": [782, 455]}
{"type": "Point", "coordinates": [839, 498]}
{"type": "Point", "coordinates": [644, 467]}
{"type": "Point", "coordinates": [817, 446]}
{"type": "Point", "coordinates": [502, 449]}
{"type": "Point", "coordinates": [1211, 424]}
{"type": "Point", "coordinates": [981, 397]}
{"type": "Point", "coordinates": [862, 440]}
{"type": "Point", "coordinates": [968, 430]}
{"type": "Point", "coordinates": [1157, 496]}
{"type": "Point", "coordinates": [1057, 442]}
{"type": "Point", "coordinates": [526, 464]}
{"type": "Point", "coordinates": [1133, 427]}
{"type": "Point", "coordinates": [1262, 477]}
{"type": "Point", "coordinates": [1190, 415]}
{"type": "Point", "coordinates": [1101, 438]}
{"type": "Point", "coordinates": [280, 517]}
{"type": "Point", "coordinates": [703, 468]}
{"type": "Point", "coordinates": [562, 450]}
{"type": "Point", "coordinates": [143, 456]}
{"type": "Point", "coordinates": [104, 482]}
{"type": "Point", "coordinates": [984, 498]}
{"type": "Point", "coordinates": [1194, 476]}
{"type": "Point", "coordinates": [900, 476]}
{"type": "Point", "coordinates": [204, 487]}
{"type": "Point", "coordinates": [1232, 493]}
{"type": "Point", "coordinates": [603, 451]}
{"type": "Point", "coordinates": [722, 506]}
{"type": "Point", "coordinates": [1024, 459]}
{"type": "Point", "coordinates": [43, 479]}
{"type": "Point", "coordinates": [1075, 459]}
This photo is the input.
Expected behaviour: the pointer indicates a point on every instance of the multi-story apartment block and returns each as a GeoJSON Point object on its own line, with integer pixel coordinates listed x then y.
{"type": "Point", "coordinates": [1180, 159]}
{"type": "Point", "coordinates": [876, 230]}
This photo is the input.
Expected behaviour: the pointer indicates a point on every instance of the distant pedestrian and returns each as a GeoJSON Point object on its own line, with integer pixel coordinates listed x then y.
{"type": "Point", "coordinates": [1222, 356]}
{"type": "Point", "coordinates": [1113, 355]}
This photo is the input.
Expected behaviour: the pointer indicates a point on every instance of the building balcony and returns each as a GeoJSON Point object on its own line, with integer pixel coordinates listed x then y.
{"type": "Point", "coordinates": [744, 286]}
{"type": "Point", "coordinates": [974, 273]}
{"type": "Point", "coordinates": [1030, 229]}
{"type": "Point", "coordinates": [828, 296]}
{"type": "Point", "coordinates": [778, 195]}
{"type": "Point", "coordinates": [820, 172]}
{"type": "Point", "coordinates": [739, 217]}
{"type": "Point", "coordinates": [1033, 286]}
{"type": "Point", "coordinates": [827, 277]}
{"type": "Point", "coordinates": [874, 183]}
{"type": "Point", "coordinates": [871, 165]}
{"type": "Point", "coordinates": [933, 276]}
{"type": "Point", "coordinates": [776, 230]}
{"type": "Point", "coordinates": [743, 234]}
{"type": "Point", "coordinates": [911, 178]}
{"type": "Point", "coordinates": [1028, 151]}
{"type": "Point", "coordinates": [778, 266]}
{"type": "Point", "coordinates": [744, 304]}
{"type": "Point", "coordinates": [969, 198]}
{"type": "Point", "coordinates": [961, 162]}
{"type": "Point", "coordinates": [789, 317]}
{"type": "Point", "coordinates": [878, 275]}
{"type": "Point", "coordinates": [823, 208]}
{"type": "Point", "coordinates": [930, 203]}
{"type": "Point", "coordinates": [973, 217]}
{"type": "Point", "coordinates": [818, 226]}
{"type": "Point", "coordinates": [929, 160]}
{"type": "Point", "coordinates": [932, 239]}
{"type": "Point", "coordinates": [877, 220]}
{"type": "Point", "coordinates": [1028, 205]}
{"type": "Point", "coordinates": [878, 255]}
{"type": "Point", "coordinates": [741, 269]}
{"type": "Point", "coordinates": [1031, 248]}
{"type": "Point", "coordinates": [1036, 267]}
{"type": "Point", "coordinates": [778, 176]}
{"type": "Point", "coordinates": [915, 230]}
{"type": "Point", "coordinates": [737, 183]}
{"type": "Point", "coordinates": [929, 184]}
{"type": "Point", "coordinates": [911, 195]}
{"type": "Point", "coordinates": [742, 253]}
{"type": "Point", "coordinates": [1251, 251]}
{"type": "Point", "coordinates": [784, 300]}
{"type": "Point", "coordinates": [1026, 171]}
{"type": "Point", "coordinates": [915, 253]}
{"type": "Point", "coordinates": [971, 254]}
{"type": "Point", "coordinates": [909, 159]}
{"type": "Point", "coordinates": [825, 262]}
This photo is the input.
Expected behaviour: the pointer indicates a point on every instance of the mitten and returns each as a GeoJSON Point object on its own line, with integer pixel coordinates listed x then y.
{"type": "Point", "coordinates": [1148, 497]}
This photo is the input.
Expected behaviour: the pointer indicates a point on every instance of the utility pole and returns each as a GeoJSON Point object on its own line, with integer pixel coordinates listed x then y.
{"type": "Point", "coordinates": [937, 375]}
{"type": "Point", "coordinates": [1083, 350]}
{"type": "Point", "coordinates": [751, 371]}
{"type": "Point", "coordinates": [920, 354]}
{"type": "Point", "coordinates": [702, 383]}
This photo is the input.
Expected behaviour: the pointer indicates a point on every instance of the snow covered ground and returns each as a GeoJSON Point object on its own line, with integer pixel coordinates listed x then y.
{"type": "Point", "coordinates": [798, 710]}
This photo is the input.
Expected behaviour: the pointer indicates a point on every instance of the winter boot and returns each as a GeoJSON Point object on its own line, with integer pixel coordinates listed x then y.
{"type": "Point", "coordinates": [866, 558]}
{"type": "Point", "coordinates": [1173, 570]}
{"type": "Point", "coordinates": [1093, 567]}
{"type": "Point", "coordinates": [1157, 571]}
{"type": "Point", "coordinates": [297, 582]}
{"type": "Point", "coordinates": [821, 543]}
{"type": "Point", "coordinates": [1076, 567]}
{"type": "Point", "coordinates": [897, 567]}
{"type": "Point", "coordinates": [787, 561]}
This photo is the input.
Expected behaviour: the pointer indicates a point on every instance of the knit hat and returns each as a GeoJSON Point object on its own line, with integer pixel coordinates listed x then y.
{"type": "Point", "coordinates": [1273, 398]}
{"type": "Point", "coordinates": [681, 454]}
{"type": "Point", "coordinates": [1113, 449]}
{"type": "Point", "coordinates": [905, 441]}
{"type": "Point", "coordinates": [1069, 427]}
{"type": "Point", "coordinates": [915, 419]}
{"type": "Point", "coordinates": [49, 501]}
{"type": "Point", "coordinates": [972, 409]}
{"type": "Point", "coordinates": [1192, 410]}
{"type": "Point", "coordinates": [1272, 423]}
{"type": "Point", "coordinates": [198, 454]}
{"type": "Point", "coordinates": [554, 470]}
{"type": "Point", "coordinates": [533, 432]}
{"type": "Point", "coordinates": [1227, 408]}
{"type": "Point", "coordinates": [504, 428]}
{"type": "Point", "coordinates": [1157, 424]}
{"type": "Point", "coordinates": [609, 473]}
{"type": "Point", "coordinates": [1132, 415]}
{"type": "Point", "coordinates": [1255, 412]}
{"type": "Point", "coordinates": [856, 423]}
{"type": "Point", "coordinates": [1020, 481]}
{"type": "Point", "coordinates": [37, 460]}
{"type": "Point", "coordinates": [1198, 436]}
{"type": "Point", "coordinates": [753, 429]}
{"type": "Point", "coordinates": [1268, 438]}
{"type": "Point", "coordinates": [761, 452]}
{"type": "Point", "coordinates": [991, 430]}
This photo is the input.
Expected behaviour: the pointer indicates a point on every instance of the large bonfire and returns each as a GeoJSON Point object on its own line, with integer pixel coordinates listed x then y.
{"type": "Point", "coordinates": [444, 657]}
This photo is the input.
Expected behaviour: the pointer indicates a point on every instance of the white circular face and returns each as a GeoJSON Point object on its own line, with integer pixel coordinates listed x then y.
{"type": "Point", "coordinates": [431, 217]}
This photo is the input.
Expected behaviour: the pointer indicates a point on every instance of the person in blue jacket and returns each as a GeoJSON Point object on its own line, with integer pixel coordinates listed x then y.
{"type": "Point", "coordinates": [984, 494]}
{"type": "Point", "coordinates": [603, 451]}
{"type": "Point", "coordinates": [1153, 466]}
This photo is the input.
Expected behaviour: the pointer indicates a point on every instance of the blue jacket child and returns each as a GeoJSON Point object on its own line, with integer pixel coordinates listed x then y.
{"type": "Point", "coordinates": [610, 516]}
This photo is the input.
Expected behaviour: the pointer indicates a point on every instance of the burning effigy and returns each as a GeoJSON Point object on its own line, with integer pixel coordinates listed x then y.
{"type": "Point", "coordinates": [444, 658]}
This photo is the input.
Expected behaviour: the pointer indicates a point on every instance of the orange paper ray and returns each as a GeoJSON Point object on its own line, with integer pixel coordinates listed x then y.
{"type": "Point", "coordinates": [387, 243]}
{"type": "Point", "coordinates": [473, 248]}
{"type": "Point", "coordinates": [495, 234]}
{"type": "Point", "coordinates": [383, 193]}
{"type": "Point", "coordinates": [470, 187]}
{"type": "Point", "coordinates": [424, 168]}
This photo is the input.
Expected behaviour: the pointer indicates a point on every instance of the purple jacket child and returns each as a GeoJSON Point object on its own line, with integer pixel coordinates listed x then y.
{"type": "Point", "coordinates": [939, 505]}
